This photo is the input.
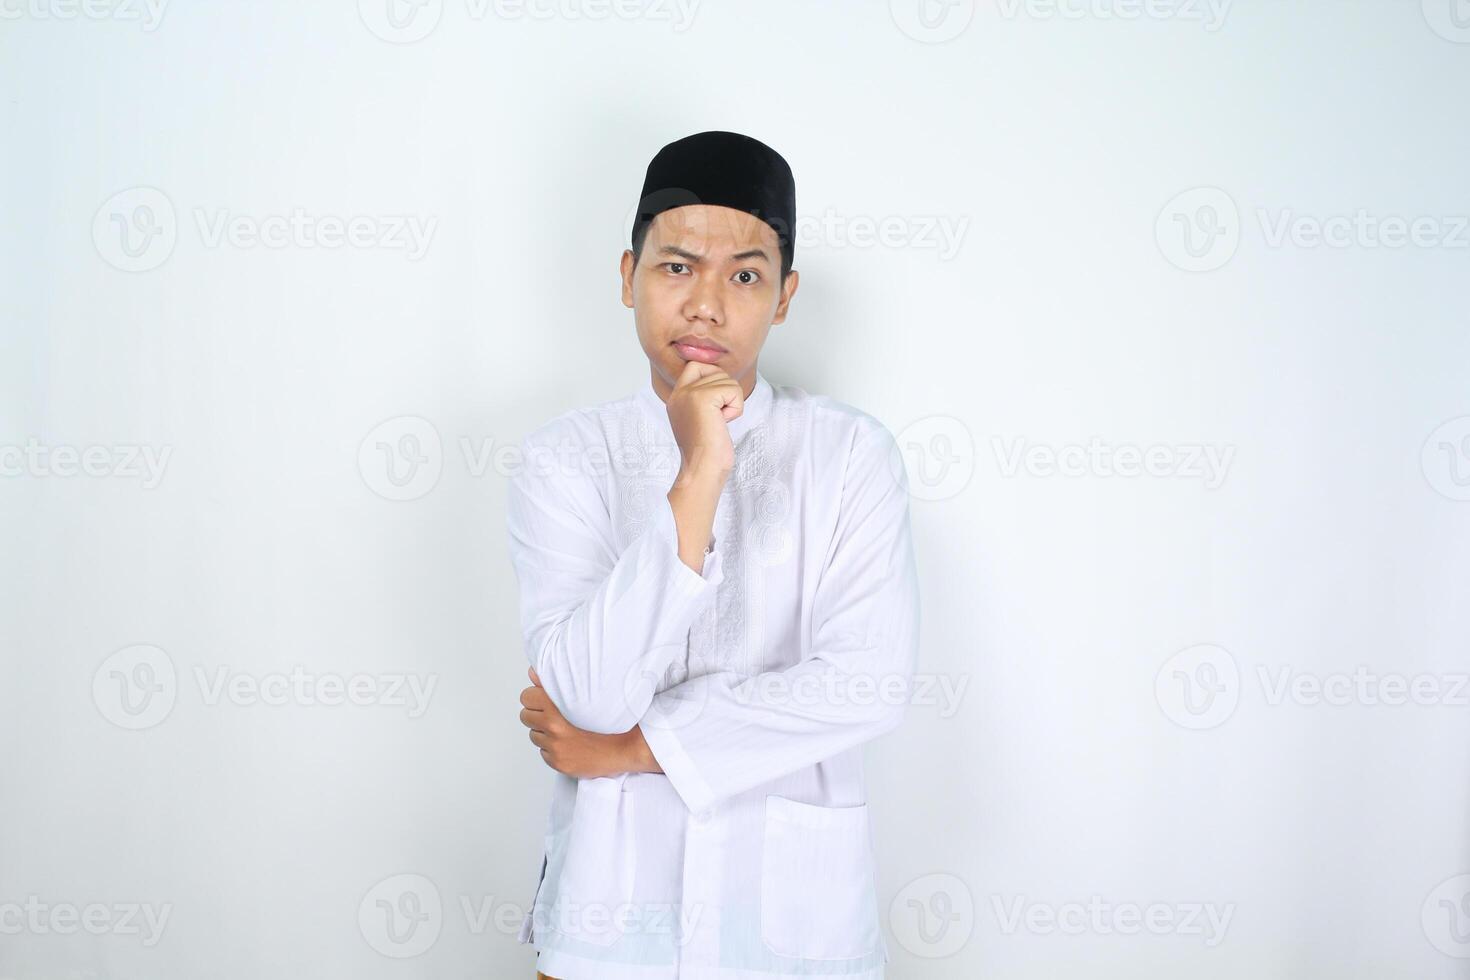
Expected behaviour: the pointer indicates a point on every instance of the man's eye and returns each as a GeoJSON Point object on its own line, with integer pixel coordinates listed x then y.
{"type": "Point", "coordinates": [675, 267]}
{"type": "Point", "coordinates": [754, 277]}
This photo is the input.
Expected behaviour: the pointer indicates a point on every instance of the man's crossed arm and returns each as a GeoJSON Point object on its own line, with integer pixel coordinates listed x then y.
{"type": "Point", "coordinates": [592, 708]}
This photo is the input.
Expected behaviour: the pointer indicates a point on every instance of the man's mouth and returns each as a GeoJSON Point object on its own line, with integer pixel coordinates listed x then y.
{"type": "Point", "coordinates": [702, 349]}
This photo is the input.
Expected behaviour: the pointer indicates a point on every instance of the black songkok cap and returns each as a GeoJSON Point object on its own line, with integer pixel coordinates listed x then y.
{"type": "Point", "coordinates": [724, 169]}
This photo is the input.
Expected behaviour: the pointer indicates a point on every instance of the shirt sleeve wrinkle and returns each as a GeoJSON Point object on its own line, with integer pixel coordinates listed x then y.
{"type": "Point", "coordinates": [599, 627]}
{"type": "Point", "coordinates": [720, 734]}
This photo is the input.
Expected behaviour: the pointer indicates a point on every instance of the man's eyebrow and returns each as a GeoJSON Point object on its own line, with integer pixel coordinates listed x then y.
{"type": "Point", "coordinates": [750, 253]}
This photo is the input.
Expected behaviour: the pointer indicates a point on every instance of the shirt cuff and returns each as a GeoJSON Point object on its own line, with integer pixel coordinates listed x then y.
{"type": "Point", "coordinates": [658, 725]}
{"type": "Point", "coordinates": [666, 528]}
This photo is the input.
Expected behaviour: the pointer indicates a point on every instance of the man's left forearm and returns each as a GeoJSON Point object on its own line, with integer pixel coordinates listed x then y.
{"type": "Point", "coordinates": [636, 754]}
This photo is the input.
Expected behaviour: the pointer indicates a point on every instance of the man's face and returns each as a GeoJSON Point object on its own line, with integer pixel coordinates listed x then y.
{"type": "Point", "coordinates": [710, 273]}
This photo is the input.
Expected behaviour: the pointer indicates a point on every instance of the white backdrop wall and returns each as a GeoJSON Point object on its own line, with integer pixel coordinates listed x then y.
{"type": "Point", "coordinates": [1165, 300]}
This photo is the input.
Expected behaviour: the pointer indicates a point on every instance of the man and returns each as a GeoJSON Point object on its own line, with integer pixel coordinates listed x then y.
{"type": "Point", "coordinates": [720, 607]}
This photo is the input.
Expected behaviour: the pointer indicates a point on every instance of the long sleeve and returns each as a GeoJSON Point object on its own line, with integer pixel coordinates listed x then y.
{"type": "Point", "coordinates": [720, 734]}
{"type": "Point", "coordinates": [599, 626]}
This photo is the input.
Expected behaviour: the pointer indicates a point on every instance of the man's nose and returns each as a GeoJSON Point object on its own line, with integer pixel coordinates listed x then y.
{"type": "Point", "coordinates": [706, 301]}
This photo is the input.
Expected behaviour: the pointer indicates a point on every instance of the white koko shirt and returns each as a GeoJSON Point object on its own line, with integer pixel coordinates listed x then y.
{"type": "Point", "coordinates": [756, 683]}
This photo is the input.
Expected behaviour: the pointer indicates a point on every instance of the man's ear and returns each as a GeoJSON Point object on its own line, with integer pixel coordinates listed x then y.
{"type": "Point", "coordinates": [788, 290]}
{"type": "Point", "coordinates": [625, 269]}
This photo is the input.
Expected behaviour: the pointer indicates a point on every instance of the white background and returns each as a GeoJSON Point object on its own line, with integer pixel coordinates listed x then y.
{"type": "Point", "coordinates": [1122, 746]}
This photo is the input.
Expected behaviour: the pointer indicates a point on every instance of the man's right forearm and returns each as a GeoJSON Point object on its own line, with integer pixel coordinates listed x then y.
{"type": "Point", "coordinates": [694, 498]}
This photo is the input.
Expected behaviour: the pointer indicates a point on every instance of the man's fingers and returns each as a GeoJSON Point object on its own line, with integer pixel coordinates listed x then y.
{"type": "Point", "coordinates": [541, 739]}
{"type": "Point", "coordinates": [533, 719]}
{"type": "Point", "coordinates": [535, 698]}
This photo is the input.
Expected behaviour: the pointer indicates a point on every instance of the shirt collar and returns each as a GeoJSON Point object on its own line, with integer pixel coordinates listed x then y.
{"type": "Point", "coordinates": [757, 406]}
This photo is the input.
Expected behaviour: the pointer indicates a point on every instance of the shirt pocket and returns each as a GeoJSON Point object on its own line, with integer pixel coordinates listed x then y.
{"type": "Point", "coordinates": [595, 889]}
{"type": "Point", "coordinates": [818, 899]}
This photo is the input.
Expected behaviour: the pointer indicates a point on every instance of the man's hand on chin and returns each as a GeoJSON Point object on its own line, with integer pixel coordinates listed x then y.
{"type": "Point", "coordinates": [575, 752]}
